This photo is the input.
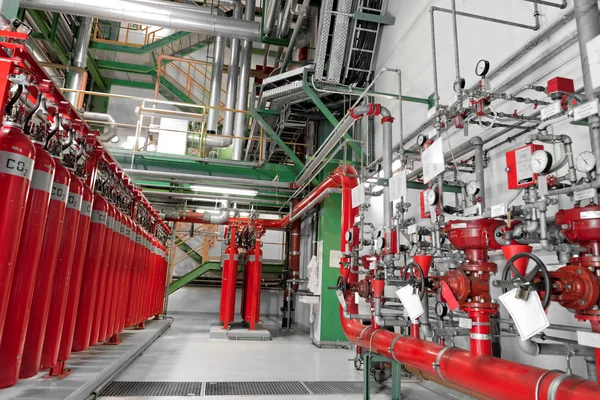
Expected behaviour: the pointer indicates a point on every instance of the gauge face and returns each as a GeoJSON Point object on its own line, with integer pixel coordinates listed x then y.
{"type": "Point", "coordinates": [586, 162]}
{"type": "Point", "coordinates": [421, 139]}
{"type": "Point", "coordinates": [348, 236]}
{"type": "Point", "coordinates": [431, 197]}
{"type": "Point", "coordinates": [482, 68]}
{"type": "Point", "coordinates": [440, 309]}
{"type": "Point", "coordinates": [380, 243]}
{"type": "Point", "coordinates": [378, 233]}
{"type": "Point", "coordinates": [541, 161]}
{"type": "Point", "coordinates": [472, 188]}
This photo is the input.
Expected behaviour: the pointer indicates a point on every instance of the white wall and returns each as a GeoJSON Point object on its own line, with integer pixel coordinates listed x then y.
{"type": "Point", "coordinates": [406, 45]}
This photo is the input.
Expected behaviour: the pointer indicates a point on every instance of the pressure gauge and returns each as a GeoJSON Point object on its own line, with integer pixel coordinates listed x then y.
{"type": "Point", "coordinates": [541, 161]}
{"type": "Point", "coordinates": [348, 236]}
{"type": "Point", "coordinates": [472, 188]}
{"type": "Point", "coordinates": [586, 162]}
{"type": "Point", "coordinates": [482, 68]}
{"type": "Point", "coordinates": [379, 244]}
{"type": "Point", "coordinates": [431, 197]}
{"type": "Point", "coordinates": [378, 233]}
{"type": "Point", "coordinates": [440, 309]}
{"type": "Point", "coordinates": [421, 139]}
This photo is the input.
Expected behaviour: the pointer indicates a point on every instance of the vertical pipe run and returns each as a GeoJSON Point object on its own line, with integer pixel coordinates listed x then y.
{"type": "Point", "coordinates": [232, 77]}
{"type": "Point", "coordinates": [243, 87]}
{"type": "Point", "coordinates": [436, 97]}
{"type": "Point", "coordinates": [455, 35]}
{"type": "Point", "coordinates": [80, 58]}
{"type": "Point", "coordinates": [215, 85]}
{"type": "Point", "coordinates": [479, 170]}
{"type": "Point", "coordinates": [588, 27]}
{"type": "Point", "coordinates": [295, 33]}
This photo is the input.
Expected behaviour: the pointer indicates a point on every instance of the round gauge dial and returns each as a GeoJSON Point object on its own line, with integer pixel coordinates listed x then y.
{"type": "Point", "coordinates": [380, 243]}
{"type": "Point", "coordinates": [431, 197]}
{"type": "Point", "coordinates": [378, 233]}
{"type": "Point", "coordinates": [482, 68]}
{"type": "Point", "coordinates": [440, 309]}
{"type": "Point", "coordinates": [348, 236]}
{"type": "Point", "coordinates": [586, 162]}
{"type": "Point", "coordinates": [421, 139]}
{"type": "Point", "coordinates": [541, 161]}
{"type": "Point", "coordinates": [472, 188]}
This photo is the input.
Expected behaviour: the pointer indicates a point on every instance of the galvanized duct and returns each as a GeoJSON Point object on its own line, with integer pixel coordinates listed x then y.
{"type": "Point", "coordinates": [232, 76]}
{"type": "Point", "coordinates": [80, 58]}
{"type": "Point", "coordinates": [215, 88]}
{"type": "Point", "coordinates": [183, 17]}
{"type": "Point", "coordinates": [106, 118]}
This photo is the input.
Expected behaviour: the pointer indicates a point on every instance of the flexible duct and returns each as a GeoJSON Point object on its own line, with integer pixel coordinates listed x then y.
{"type": "Point", "coordinates": [169, 15]}
{"type": "Point", "coordinates": [80, 58]}
{"type": "Point", "coordinates": [243, 88]}
{"type": "Point", "coordinates": [110, 121]}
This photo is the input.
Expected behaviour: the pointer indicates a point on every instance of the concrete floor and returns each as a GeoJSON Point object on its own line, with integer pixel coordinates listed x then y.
{"type": "Point", "coordinates": [185, 354]}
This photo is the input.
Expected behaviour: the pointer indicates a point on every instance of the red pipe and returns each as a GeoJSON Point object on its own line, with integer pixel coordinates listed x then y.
{"type": "Point", "coordinates": [83, 231]}
{"type": "Point", "coordinates": [62, 278]}
{"type": "Point", "coordinates": [40, 306]}
{"type": "Point", "coordinates": [26, 267]}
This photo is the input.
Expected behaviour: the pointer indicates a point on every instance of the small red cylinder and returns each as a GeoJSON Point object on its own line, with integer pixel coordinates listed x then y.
{"type": "Point", "coordinates": [109, 242]}
{"type": "Point", "coordinates": [17, 153]}
{"type": "Point", "coordinates": [62, 278]}
{"type": "Point", "coordinates": [23, 283]}
{"type": "Point", "coordinates": [83, 230]}
{"type": "Point", "coordinates": [40, 307]}
{"type": "Point", "coordinates": [91, 272]}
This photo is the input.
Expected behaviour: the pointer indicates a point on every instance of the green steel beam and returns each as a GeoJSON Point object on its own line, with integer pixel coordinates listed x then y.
{"type": "Point", "coordinates": [386, 19]}
{"type": "Point", "coordinates": [125, 67]}
{"type": "Point", "coordinates": [189, 251]}
{"type": "Point", "coordinates": [127, 83]}
{"type": "Point", "coordinates": [330, 117]}
{"type": "Point", "coordinates": [139, 50]}
{"type": "Point", "coordinates": [286, 149]}
{"type": "Point", "coordinates": [40, 21]}
{"type": "Point", "coordinates": [54, 27]}
{"type": "Point", "coordinates": [95, 73]}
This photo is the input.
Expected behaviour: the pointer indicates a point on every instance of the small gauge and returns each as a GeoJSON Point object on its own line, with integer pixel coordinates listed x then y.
{"type": "Point", "coordinates": [586, 162]}
{"type": "Point", "coordinates": [378, 233]}
{"type": "Point", "coordinates": [431, 197]}
{"type": "Point", "coordinates": [380, 243]}
{"type": "Point", "coordinates": [348, 236]}
{"type": "Point", "coordinates": [440, 309]}
{"type": "Point", "coordinates": [421, 140]}
{"type": "Point", "coordinates": [541, 161]}
{"type": "Point", "coordinates": [472, 188]}
{"type": "Point", "coordinates": [482, 68]}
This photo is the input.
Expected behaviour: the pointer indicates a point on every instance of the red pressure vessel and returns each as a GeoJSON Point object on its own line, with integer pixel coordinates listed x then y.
{"type": "Point", "coordinates": [252, 310]}
{"type": "Point", "coordinates": [246, 278]}
{"type": "Point", "coordinates": [125, 281]}
{"type": "Point", "coordinates": [223, 281]}
{"type": "Point", "coordinates": [120, 273]}
{"type": "Point", "coordinates": [153, 281]}
{"type": "Point", "coordinates": [23, 283]}
{"type": "Point", "coordinates": [142, 275]}
{"type": "Point", "coordinates": [136, 263]}
{"type": "Point", "coordinates": [114, 264]}
{"type": "Point", "coordinates": [17, 153]}
{"type": "Point", "coordinates": [91, 271]}
{"type": "Point", "coordinates": [230, 270]}
{"type": "Point", "coordinates": [66, 340]}
{"type": "Point", "coordinates": [40, 306]}
{"type": "Point", "coordinates": [62, 278]}
{"type": "Point", "coordinates": [161, 279]}
{"type": "Point", "coordinates": [109, 241]}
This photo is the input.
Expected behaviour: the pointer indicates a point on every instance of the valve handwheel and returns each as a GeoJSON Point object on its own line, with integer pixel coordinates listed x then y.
{"type": "Point", "coordinates": [526, 282]}
{"type": "Point", "coordinates": [411, 278]}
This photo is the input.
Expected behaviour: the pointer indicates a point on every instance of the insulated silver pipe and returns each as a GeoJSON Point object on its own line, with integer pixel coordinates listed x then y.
{"type": "Point", "coordinates": [165, 14]}
{"type": "Point", "coordinates": [295, 33]}
{"type": "Point", "coordinates": [588, 27]}
{"type": "Point", "coordinates": [194, 178]}
{"type": "Point", "coordinates": [477, 142]}
{"type": "Point", "coordinates": [272, 8]}
{"type": "Point", "coordinates": [243, 87]}
{"type": "Point", "coordinates": [216, 85]}
{"type": "Point", "coordinates": [80, 58]}
{"type": "Point", "coordinates": [108, 119]}
{"type": "Point", "coordinates": [232, 77]}
{"type": "Point", "coordinates": [210, 197]}
{"type": "Point", "coordinates": [286, 19]}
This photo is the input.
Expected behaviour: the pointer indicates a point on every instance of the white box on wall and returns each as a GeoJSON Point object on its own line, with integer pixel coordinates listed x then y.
{"type": "Point", "coordinates": [172, 136]}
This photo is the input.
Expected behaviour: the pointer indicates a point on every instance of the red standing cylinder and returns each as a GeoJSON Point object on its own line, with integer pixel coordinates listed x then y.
{"type": "Point", "coordinates": [114, 265]}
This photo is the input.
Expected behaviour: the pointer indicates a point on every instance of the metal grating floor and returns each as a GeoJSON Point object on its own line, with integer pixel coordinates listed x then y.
{"type": "Point", "coordinates": [134, 389]}
{"type": "Point", "coordinates": [268, 388]}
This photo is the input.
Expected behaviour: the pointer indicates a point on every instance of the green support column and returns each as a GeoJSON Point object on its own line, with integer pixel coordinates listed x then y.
{"type": "Point", "coordinates": [330, 217]}
{"type": "Point", "coordinates": [9, 8]}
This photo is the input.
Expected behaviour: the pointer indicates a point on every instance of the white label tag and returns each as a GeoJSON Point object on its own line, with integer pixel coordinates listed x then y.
{"type": "Point", "coordinates": [432, 160]}
{"type": "Point", "coordinates": [585, 110]}
{"type": "Point", "coordinates": [498, 210]}
{"type": "Point", "coordinates": [341, 299]}
{"type": "Point", "coordinates": [593, 49]}
{"type": "Point", "coordinates": [465, 323]}
{"type": "Point", "coordinates": [410, 301]}
{"type": "Point", "coordinates": [529, 315]}
{"type": "Point", "coordinates": [590, 339]}
{"type": "Point", "coordinates": [589, 214]}
{"type": "Point", "coordinates": [584, 194]}
{"type": "Point", "coordinates": [358, 195]}
{"type": "Point", "coordinates": [551, 110]}
{"type": "Point", "coordinates": [461, 225]}
{"type": "Point", "coordinates": [412, 229]}
{"type": "Point", "coordinates": [398, 186]}
{"type": "Point", "coordinates": [335, 256]}
{"type": "Point", "coordinates": [524, 171]}
{"type": "Point", "coordinates": [473, 210]}
{"type": "Point", "coordinates": [542, 186]}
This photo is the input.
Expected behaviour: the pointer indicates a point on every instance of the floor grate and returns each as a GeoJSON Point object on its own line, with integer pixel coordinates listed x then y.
{"type": "Point", "coordinates": [343, 387]}
{"type": "Point", "coordinates": [134, 389]}
{"type": "Point", "coordinates": [255, 388]}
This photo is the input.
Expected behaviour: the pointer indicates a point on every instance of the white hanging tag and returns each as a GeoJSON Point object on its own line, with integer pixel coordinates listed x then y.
{"type": "Point", "coordinates": [529, 315]}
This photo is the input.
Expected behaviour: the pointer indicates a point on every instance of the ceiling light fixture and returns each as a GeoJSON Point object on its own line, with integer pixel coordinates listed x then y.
{"type": "Point", "coordinates": [223, 190]}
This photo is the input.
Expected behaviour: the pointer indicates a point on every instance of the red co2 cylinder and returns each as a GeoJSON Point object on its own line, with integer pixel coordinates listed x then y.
{"type": "Point", "coordinates": [120, 267]}
{"type": "Point", "coordinates": [136, 263]}
{"type": "Point", "coordinates": [23, 282]}
{"type": "Point", "coordinates": [109, 242]}
{"type": "Point", "coordinates": [17, 153]}
{"type": "Point", "coordinates": [40, 306]}
{"type": "Point", "coordinates": [83, 230]}
{"type": "Point", "coordinates": [252, 309]}
{"type": "Point", "coordinates": [125, 291]}
{"type": "Point", "coordinates": [141, 292]}
{"type": "Point", "coordinates": [91, 272]}
{"type": "Point", "coordinates": [110, 277]}
{"type": "Point", "coordinates": [230, 267]}
{"type": "Point", "coordinates": [62, 277]}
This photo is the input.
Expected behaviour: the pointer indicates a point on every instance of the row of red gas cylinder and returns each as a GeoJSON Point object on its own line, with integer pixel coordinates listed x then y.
{"type": "Point", "coordinates": [74, 269]}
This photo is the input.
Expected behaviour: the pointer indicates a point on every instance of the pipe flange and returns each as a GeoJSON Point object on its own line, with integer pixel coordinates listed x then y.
{"type": "Point", "coordinates": [555, 384]}
{"type": "Point", "coordinates": [363, 331]}
{"type": "Point", "coordinates": [436, 364]}
{"type": "Point", "coordinates": [391, 348]}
